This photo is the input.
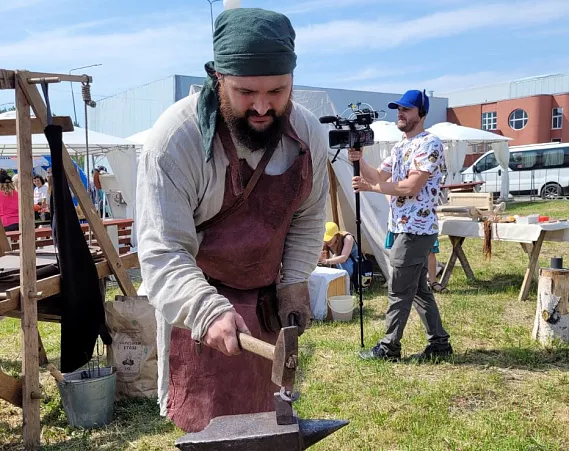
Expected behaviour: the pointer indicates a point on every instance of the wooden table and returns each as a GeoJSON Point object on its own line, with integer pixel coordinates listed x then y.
{"type": "Point", "coordinates": [43, 235]}
{"type": "Point", "coordinates": [323, 283]}
{"type": "Point", "coordinates": [530, 237]}
{"type": "Point", "coordinates": [466, 187]}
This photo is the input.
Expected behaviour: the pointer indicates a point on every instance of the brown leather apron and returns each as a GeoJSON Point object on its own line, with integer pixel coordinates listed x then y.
{"type": "Point", "coordinates": [241, 254]}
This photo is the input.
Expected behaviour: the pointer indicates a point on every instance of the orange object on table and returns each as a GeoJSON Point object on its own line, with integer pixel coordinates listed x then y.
{"type": "Point", "coordinates": [543, 219]}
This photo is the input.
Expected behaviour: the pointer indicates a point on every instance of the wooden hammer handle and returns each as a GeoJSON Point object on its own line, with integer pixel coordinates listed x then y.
{"type": "Point", "coordinates": [256, 346]}
{"type": "Point", "coordinates": [55, 373]}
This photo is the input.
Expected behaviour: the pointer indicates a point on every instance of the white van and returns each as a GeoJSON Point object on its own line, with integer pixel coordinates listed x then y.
{"type": "Point", "coordinates": [540, 169]}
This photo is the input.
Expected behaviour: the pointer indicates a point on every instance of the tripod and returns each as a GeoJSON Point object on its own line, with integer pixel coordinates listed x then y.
{"type": "Point", "coordinates": [359, 242]}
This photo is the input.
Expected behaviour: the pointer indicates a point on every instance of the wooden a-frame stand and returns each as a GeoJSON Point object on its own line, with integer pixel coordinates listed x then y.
{"type": "Point", "coordinates": [26, 391]}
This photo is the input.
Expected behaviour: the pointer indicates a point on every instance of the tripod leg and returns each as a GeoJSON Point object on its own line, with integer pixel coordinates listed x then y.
{"type": "Point", "coordinates": [359, 242]}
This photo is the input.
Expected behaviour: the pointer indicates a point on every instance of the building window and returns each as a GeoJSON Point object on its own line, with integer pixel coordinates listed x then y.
{"type": "Point", "coordinates": [556, 140]}
{"type": "Point", "coordinates": [518, 119]}
{"type": "Point", "coordinates": [556, 118]}
{"type": "Point", "coordinates": [489, 120]}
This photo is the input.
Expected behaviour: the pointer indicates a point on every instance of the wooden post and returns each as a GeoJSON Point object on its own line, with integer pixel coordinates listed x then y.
{"type": "Point", "coordinates": [532, 266]}
{"type": "Point", "coordinates": [333, 193]}
{"type": "Point", "coordinates": [29, 322]}
{"type": "Point", "coordinates": [551, 316]}
{"type": "Point", "coordinates": [87, 206]}
{"type": "Point", "coordinates": [4, 243]}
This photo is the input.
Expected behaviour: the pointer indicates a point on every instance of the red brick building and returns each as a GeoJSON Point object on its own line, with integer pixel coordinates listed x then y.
{"type": "Point", "coordinates": [531, 111]}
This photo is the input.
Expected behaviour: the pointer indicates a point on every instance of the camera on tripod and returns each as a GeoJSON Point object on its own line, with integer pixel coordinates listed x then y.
{"type": "Point", "coordinates": [358, 133]}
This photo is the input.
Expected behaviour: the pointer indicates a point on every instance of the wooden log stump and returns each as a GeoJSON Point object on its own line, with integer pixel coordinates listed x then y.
{"type": "Point", "coordinates": [551, 316]}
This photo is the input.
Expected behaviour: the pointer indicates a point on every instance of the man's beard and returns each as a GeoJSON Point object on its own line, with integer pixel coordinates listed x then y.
{"type": "Point", "coordinates": [249, 137]}
{"type": "Point", "coordinates": [408, 125]}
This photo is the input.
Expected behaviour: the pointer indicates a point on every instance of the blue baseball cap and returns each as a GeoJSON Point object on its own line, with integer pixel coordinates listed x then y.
{"type": "Point", "coordinates": [412, 99]}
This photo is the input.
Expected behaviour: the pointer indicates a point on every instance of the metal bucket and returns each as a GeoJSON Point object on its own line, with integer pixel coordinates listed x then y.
{"type": "Point", "coordinates": [89, 403]}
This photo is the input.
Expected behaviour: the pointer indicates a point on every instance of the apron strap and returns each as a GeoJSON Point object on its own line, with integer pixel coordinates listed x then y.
{"type": "Point", "coordinates": [234, 165]}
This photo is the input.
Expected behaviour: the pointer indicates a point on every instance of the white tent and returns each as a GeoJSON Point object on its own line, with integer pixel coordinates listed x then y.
{"type": "Point", "coordinates": [120, 153]}
{"type": "Point", "coordinates": [140, 137]}
{"type": "Point", "coordinates": [75, 141]}
{"type": "Point", "coordinates": [386, 134]}
{"type": "Point", "coordinates": [457, 138]}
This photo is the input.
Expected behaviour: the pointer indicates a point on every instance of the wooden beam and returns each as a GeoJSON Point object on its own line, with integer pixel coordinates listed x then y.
{"type": "Point", "coordinates": [532, 267]}
{"type": "Point", "coordinates": [10, 389]}
{"type": "Point", "coordinates": [29, 322]}
{"type": "Point", "coordinates": [333, 194]}
{"type": "Point", "coordinates": [62, 77]}
{"type": "Point", "coordinates": [112, 256]}
{"type": "Point", "coordinates": [7, 77]}
{"type": "Point", "coordinates": [4, 242]}
{"type": "Point", "coordinates": [8, 126]}
{"type": "Point", "coordinates": [50, 286]}
{"type": "Point", "coordinates": [41, 352]}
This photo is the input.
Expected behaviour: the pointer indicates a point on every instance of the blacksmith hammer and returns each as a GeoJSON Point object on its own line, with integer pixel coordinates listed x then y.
{"type": "Point", "coordinates": [281, 430]}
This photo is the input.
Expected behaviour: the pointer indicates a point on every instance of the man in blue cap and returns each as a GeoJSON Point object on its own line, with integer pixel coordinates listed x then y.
{"type": "Point", "coordinates": [411, 176]}
{"type": "Point", "coordinates": [231, 206]}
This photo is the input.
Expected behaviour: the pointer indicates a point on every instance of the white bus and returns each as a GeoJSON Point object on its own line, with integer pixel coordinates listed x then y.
{"type": "Point", "coordinates": [539, 169]}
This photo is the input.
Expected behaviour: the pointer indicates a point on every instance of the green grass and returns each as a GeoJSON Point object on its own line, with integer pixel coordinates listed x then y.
{"type": "Point", "coordinates": [501, 391]}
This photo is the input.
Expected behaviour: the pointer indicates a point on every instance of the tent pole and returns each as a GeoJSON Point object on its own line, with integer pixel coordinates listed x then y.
{"type": "Point", "coordinates": [333, 193]}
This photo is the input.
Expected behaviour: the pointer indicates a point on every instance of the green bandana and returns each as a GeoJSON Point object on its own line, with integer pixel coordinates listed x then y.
{"type": "Point", "coordinates": [247, 42]}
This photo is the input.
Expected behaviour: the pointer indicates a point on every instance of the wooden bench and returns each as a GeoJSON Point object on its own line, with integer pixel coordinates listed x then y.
{"type": "Point", "coordinates": [44, 235]}
{"type": "Point", "coordinates": [482, 201]}
{"type": "Point", "coordinates": [466, 187]}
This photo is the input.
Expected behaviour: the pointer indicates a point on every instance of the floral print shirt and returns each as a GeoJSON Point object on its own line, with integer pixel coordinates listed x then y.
{"type": "Point", "coordinates": [416, 214]}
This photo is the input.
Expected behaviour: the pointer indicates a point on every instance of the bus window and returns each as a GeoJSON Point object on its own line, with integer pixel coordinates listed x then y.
{"type": "Point", "coordinates": [523, 160]}
{"type": "Point", "coordinates": [486, 163]}
{"type": "Point", "coordinates": [552, 158]}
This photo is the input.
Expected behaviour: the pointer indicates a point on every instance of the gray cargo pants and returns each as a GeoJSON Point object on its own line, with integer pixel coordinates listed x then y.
{"type": "Point", "coordinates": [409, 285]}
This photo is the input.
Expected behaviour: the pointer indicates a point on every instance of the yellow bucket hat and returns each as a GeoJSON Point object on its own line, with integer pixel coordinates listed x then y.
{"type": "Point", "coordinates": [331, 230]}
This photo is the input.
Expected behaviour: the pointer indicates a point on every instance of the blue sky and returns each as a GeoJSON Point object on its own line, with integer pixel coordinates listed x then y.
{"type": "Point", "coordinates": [380, 45]}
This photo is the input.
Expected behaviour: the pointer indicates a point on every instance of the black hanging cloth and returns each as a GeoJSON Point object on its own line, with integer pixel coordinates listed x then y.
{"type": "Point", "coordinates": [83, 313]}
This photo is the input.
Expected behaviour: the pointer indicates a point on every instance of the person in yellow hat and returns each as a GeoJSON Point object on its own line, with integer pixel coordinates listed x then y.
{"type": "Point", "coordinates": [341, 246]}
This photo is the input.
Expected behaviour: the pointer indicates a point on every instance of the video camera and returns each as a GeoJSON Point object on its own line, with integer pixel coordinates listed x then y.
{"type": "Point", "coordinates": [358, 133]}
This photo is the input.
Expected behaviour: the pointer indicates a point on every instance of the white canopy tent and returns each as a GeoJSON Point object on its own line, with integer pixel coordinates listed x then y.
{"type": "Point", "coordinates": [386, 134]}
{"type": "Point", "coordinates": [120, 153]}
{"type": "Point", "coordinates": [75, 141]}
{"type": "Point", "coordinates": [458, 138]}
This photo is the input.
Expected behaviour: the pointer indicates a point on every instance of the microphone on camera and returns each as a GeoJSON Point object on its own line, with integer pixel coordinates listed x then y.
{"type": "Point", "coordinates": [328, 119]}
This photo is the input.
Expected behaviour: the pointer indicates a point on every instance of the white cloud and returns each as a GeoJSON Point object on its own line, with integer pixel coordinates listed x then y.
{"type": "Point", "coordinates": [352, 35]}
{"type": "Point", "coordinates": [141, 50]}
{"type": "Point", "coordinates": [13, 5]}
{"type": "Point", "coordinates": [445, 83]}
{"type": "Point", "coordinates": [124, 54]}
{"type": "Point", "coordinates": [324, 5]}
{"type": "Point", "coordinates": [375, 72]}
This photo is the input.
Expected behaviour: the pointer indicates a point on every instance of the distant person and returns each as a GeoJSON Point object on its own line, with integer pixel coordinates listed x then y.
{"type": "Point", "coordinates": [342, 247]}
{"type": "Point", "coordinates": [9, 209]}
{"type": "Point", "coordinates": [40, 190]}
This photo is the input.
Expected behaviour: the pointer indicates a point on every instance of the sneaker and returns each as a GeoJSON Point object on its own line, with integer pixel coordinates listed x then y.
{"type": "Point", "coordinates": [438, 288]}
{"type": "Point", "coordinates": [378, 352]}
{"type": "Point", "coordinates": [434, 352]}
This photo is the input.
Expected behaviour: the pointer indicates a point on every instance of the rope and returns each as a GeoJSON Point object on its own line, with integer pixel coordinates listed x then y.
{"type": "Point", "coordinates": [87, 101]}
{"type": "Point", "coordinates": [86, 93]}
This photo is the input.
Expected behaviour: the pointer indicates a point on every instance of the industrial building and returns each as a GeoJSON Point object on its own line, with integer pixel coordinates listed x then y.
{"type": "Point", "coordinates": [530, 110]}
{"type": "Point", "coordinates": [137, 109]}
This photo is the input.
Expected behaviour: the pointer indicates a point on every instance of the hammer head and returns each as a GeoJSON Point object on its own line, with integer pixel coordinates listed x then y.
{"type": "Point", "coordinates": [257, 432]}
{"type": "Point", "coordinates": [285, 358]}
